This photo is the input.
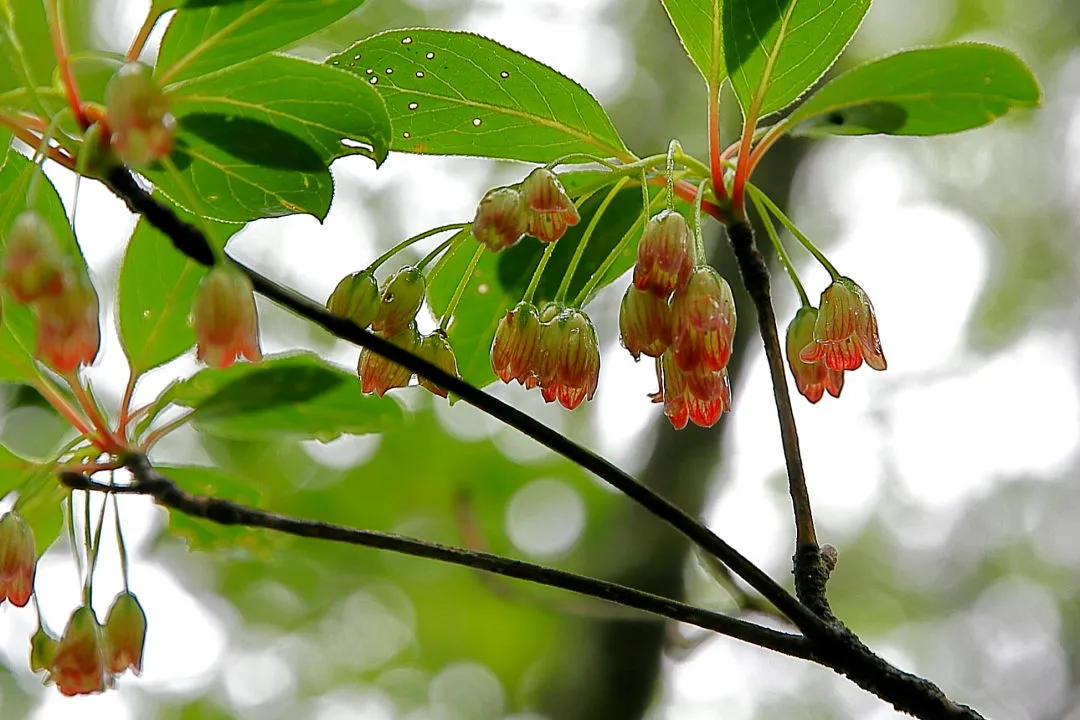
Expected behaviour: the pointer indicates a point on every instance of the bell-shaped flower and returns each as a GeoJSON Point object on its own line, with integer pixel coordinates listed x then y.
{"type": "Point", "coordinates": [402, 296]}
{"type": "Point", "coordinates": [515, 349]}
{"type": "Point", "coordinates": [846, 331]}
{"type": "Point", "coordinates": [33, 264]}
{"type": "Point", "coordinates": [570, 359]}
{"type": "Point", "coordinates": [664, 259]}
{"type": "Point", "coordinates": [683, 398]}
{"type": "Point", "coordinates": [225, 318]}
{"type": "Point", "coordinates": [645, 323]}
{"type": "Point", "coordinates": [501, 218]}
{"type": "Point", "coordinates": [42, 649]}
{"type": "Point", "coordinates": [81, 664]}
{"type": "Point", "coordinates": [356, 298]}
{"type": "Point", "coordinates": [137, 112]}
{"type": "Point", "coordinates": [125, 634]}
{"type": "Point", "coordinates": [812, 379]}
{"type": "Point", "coordinates": [379, 375]}
{"type": "Point", "coordinates": [550, 210]}
{"type": "Point", "coordinates": [69, 334]}
{"type": "Point", "coordinates": [704, 314]}
{"type": "Point", "coordinates": [17, 561]}
{"type": "Point", "coordinates": [436, 349]}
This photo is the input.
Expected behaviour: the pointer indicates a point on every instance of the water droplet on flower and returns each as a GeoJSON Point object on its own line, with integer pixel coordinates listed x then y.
{"type": "Point", "coordinates": [419, 73]}
{"type": "Point", "coordinates": [413, 106]}
{"type": "Point", "coordinates": [504, 74]}
{"type": "Point", "coordinates": [430, 56]}
{"type": "Point", "coordinates": [476, 122]}
{"type": "Point", "coordinates": [406, 41]}
{"type": "Point", "coordinates": [374, 80]}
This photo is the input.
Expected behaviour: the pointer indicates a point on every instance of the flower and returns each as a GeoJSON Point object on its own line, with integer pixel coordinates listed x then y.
{"type": "Point", "coordinates": [846, 331]}
{"type": "Point", "coordinates": [402, 296]}
{"type": "Point", "coordinates": [569, 365]}
{"type": "Point", "coordinates": [664, 262]}
{"type": "Point", "coordinates": [33, 265]}
{"type": "Point", "coordinates": [645, 323]}
{"type": "Point", "coordinates": [377, 374]}
{"type": "Point", "coordinates": [80, 666]}
{"type": "Point", "coordinates": [17, 562]}
{"type": "Point", "coordinates": [42, 649]}
{"type": "Point", "coordinates": [225, 318]}
{"type": "Point", "coordinates": [814, 378]}
{"type": "Point", "coordinates": [125, 634]}
{"type": "Point", "coordinates": [515, 349]}
{"type": "Point", "coordinates": [356, 298]}
{"type": "Point", "coordinates": [683, 400]}
{"type": "Point", "coordinates": [68, 330]}
{"type": "Point", "coordinates": [705, 319]}
{"type": "Point", "coordinates": [550, 210]}
{"type": "Point", "coordinates": [137, 112]}
{"type": "Point", "coordinates": [501, 218]}
{"type": "Point", "coordinates": [435, 348]}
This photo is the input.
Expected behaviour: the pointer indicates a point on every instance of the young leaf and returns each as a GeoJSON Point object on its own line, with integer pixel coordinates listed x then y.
{"type": "Point", "coordinates": [156, 289]}
{"type": "Point", "coordinates": [700, 28]}
{"type": "Point", "coordinates": [292, 396]}
{"type": "Point", "coordinates": [255, 140]}
{"type": "Point", "coordinates": [455, 93]}
{"type": "Point", "coordinates": [775, 51]}
{"type": "Point", "coordinates": [206, 36]}
{"type": "Point", "coordinates": [928, 91]}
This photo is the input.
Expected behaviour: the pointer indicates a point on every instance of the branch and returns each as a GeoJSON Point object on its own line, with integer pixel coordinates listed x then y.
{"type": "Point", "coordinates": [148, 481]}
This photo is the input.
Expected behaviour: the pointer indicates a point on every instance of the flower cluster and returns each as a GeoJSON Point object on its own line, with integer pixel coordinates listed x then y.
{"type": "Point", "coordinates": [391, 314]}
{"type": "Point", "coordinates": [36, 272]}
{"type": "Point", "coordinates": [684, 316]}
{"type": "Point", "coordinates": [537, 206]}
{"type": "Point", "coordinates": [88, 656]}
{"type": "Point", "coordinates": [823, 343]}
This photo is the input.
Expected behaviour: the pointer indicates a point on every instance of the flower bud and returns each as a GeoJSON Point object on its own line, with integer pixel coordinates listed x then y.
{"type": "Point", "coordinates": [811, 379]}
{"type": "Point", "coordinates": [550, 209]}
{"type": "Point", "coordinates": [571, 366]}
{"type": "Point", "coordinates": [137, 112]}
{"type": "Point", "coordinates": [80, 666]}
{"type": "Point", "coordinates": [377, 374]}
{"type": "Point", "coordinates": [42, 649]}
{"type": "Point", "coordinates": [515, 350]}
{"type": "Point", "coordinates": [125, 634]}
{"type": "Point", "coordinates": [644, 323]}
{"type": "Point", "coordinates": [705, 320]}
{"type": "Point", "coordinates": [225, 318]}
{"type": "Point", "coordinates": [435, 348]}
{"type": "Point", "coordinates": [664, 260]}
{"type": "Point", "coordinates": [501, 218]}
{"type": "Point", "coordinates": [356, 298]}
{"type": "Point", "coordinates": [402, 296]}
{"type": "Point", "coordinates": [17, 561]}
{"type": "Point", "coordinates": [846, 331]}
{"type": "Point", "coordinates": [33, 264]}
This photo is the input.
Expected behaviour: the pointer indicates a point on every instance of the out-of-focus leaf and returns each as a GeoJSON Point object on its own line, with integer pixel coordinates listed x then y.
{"type": "Point", "coordinates": [40, 496]}
{"type": "Point", "coordinates": [455, 93]}
{"type": "Point", "coordinates": [775, 51]}
{"type": "Point", "coordinates": [699, 24]}
{"type": "Point", "coordinates": [928, 91]}
{"type": "Point", "coordinates": [202, 534]}
{"type": "Point", "coordinates": [208, 36]}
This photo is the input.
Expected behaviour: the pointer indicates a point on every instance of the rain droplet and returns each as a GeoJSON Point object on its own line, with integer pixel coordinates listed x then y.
{"type": "Point", "coordinates": [406, 134]}
{"type": "Point", "coordinates": [370, 71]}
{"type": "Point", "coordinates": [419, 73]}
{"type": "Point", "coordinates": [374, 80]}
{"type": "Point", "coordinates": [406, 41]}
{"type": "Point", "coordinates": [504, 74]}
{"type": "Point", "coordinates": [356, 58]}
{"type": "Point", "coordinates": [389, 71]}
{"type": "Point", "coordinates": [146, 313]}
{"type": "Point", "coordinates": [476, 122]}
{"type": "Point", "coordinates": [430, 56]}
{"type": "Point", "coordinates": [413, 106]}
{"type": "Point", "coordinates": [483, 289]}
{"type": "Point", "coordinates": [335, 62]}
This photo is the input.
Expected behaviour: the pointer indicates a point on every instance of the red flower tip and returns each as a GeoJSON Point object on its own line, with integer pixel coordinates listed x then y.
{"type": "Point", "coordinates": [402, 296]}
{"type": "Point", "coordinates": [700, 396]}
{"type": "Point", "coordinates": [377, 374]}
{"type": "Point", "coordinates": [17, 560]}
{"type": "Point", "coordinates": [812, 379]}
{"type": "Point", "coordinates": [515, 351]}
{"type": "Point", "coordinates": [356, 297]}
{"type": "Point", "coordinates": [33, 265]}
{"type": "Point", "coordinates": [501, 218]}
{"type": "Point", "coordinates": [569, 365]}
{"type": "Point", "coordinates": [550, 210]}
{"type": "Point", "coordinates": [225, 318]}
{"type": "Point", "coordinates": [125, 634]}
{"type": "Point", "coordinates": [645, 323]}
{"type": "Point", "coordinates": [80, 666]}
{"type": "Point", "coordinates": [846, 331]}
{"type": "Point", "coordinates": [705, 321]}
{"type": "Point", "coordinates": [664, 259]}
{"type": "Point", "coordinates": [436, 349]}
{"type": "Point", "coordinates": [137, 112]}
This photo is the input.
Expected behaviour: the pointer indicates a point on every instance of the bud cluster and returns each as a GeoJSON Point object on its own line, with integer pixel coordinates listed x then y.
{"type": "Point", "coordinates": [538, 206]}
{"type": "Point", "coordinates": [36, 272]}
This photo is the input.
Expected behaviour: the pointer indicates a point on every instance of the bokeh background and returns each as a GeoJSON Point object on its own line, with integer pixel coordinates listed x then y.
{"type": "Point", "coordinates": [948, 483]}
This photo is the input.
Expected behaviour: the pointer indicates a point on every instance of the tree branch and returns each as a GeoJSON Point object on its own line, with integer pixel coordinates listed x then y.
{"type": "Point", "coordinates": [148, 481]}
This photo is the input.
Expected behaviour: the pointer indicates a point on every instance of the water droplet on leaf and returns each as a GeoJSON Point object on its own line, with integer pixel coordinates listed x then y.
{"type": "Point", "coordinates": [406, 134]}
{"type": "Point", "coordinates": [389, 71]}
{"type": "Point", "coordinates": [430, 56]}
{"type": "Point", "coordinates": [413, 106]}
{"type": "Point", "coordinates": [406, 41]}
{"type": "Point", "coordinates": [419, 73]}
{"type": "Point", "coordinates": [504, 74]}
{"type": "Point", "coordinates": [374, 80]}
{"type": "Point", "coordinates": [370, 71]}
{"type": "Point", "coordinates": [477, 121]}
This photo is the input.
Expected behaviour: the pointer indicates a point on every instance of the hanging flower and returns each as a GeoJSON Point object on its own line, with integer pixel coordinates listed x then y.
{"type": "Point", "coordinates": [356, 297]}
{"type": "Point", "coordinates": [125, 634]}
{"type": "Point", "coordinates": [80, 666]}
{"type": "Point", "coordinates": [68, 331]}
{"type": "Point", "coordinates": [701, 400]}
{"type": "Point", "coordinates": [515, 349]}
{"type": "Point", "coordinates": [811, 379]}
{"type": "Point", "coordinates": [501, 218]}
{"type": "Point", "coordinates": [550, 210]}
{"type": "Point", "coordinates": [42, 649]}
{"type": "Point", "coordinates": [645, 323]}
{"type": "Point", "coordinates": [137, 112]}
{"type": "Point", "coordinates": [664, 260]}
{"type": "Point", "coordinates": [379, 375]}
{"type": "Point", "coordinates": [846, 331]}
{"type": "Point", "coordinates": [704, 321]}
{"type": "Point", "coordinates": [402, 296]}
{"type": "Point", "coordinates": [17, 561]}
{"type": "Point", "coordinates": [33, 265]}
{"type": "Point", "coordinates": [570, 359]}
{"type": "Point", "coordinates": [225, 318]}
{"type": "Point", "coordinates": [435, 348]}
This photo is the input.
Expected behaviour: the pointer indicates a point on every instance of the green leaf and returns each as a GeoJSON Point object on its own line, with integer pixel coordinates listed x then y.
{"type": "Point", "coordinates": [40, 496]}
{"type": "Point", "coordinates": [201, 534]}
{"type": "Point", "coordinates": [776, 50]}
{"type": "Point", "coordinates": [156, 290]}
{"type": "Point", "coordinates": [204, 37]}
{"type": "Point", "coordinates": [455, 93]}
{"type": "Point", "coordinates": [292, 396]}
{"type": "Point", "coordinates": [928, 91]}
{"type": "Point", "coordinates": [700, 29]}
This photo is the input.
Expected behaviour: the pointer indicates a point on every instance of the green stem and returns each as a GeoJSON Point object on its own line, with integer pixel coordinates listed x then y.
{"type": "Point", "coordinates": [120, 544]}
{"type": "Point", "coordinates": [579, 252]}
{"type": "Point", "coordinates": [155, 435]}
{"type": "Point", "coordinates": [460, 289]}
{"type": "Point", "coordinates": [73, 535]}
{"type": "Point", "coordinates": [669, 171]}
{"type": "Point", "coordinates": [439, 250]}
{"type": "Point", "coordinates": [40, 154]}
{"type": "Point", "coordinates": [410, 241]}
{"type": "Point", "coordinates": [97, 541]}
{"type": "Point", "coordinates": [786, 222]}
{"type": "Point", "coordinates": [699, 236]}
{"type": "Point", "coordinates": [456, 242]}
{"type": "Point", "coordinates": [88, 547]}
{"type": "Point", "coordinates": [538, 273]}
{"type": "Point", "coordinates": [581, 156]}
{"type": "Point", "coordinates": [781, 251]}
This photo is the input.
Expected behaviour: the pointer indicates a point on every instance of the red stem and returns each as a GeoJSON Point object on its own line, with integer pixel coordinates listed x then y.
{"type": "Point", "coordinates": [69, 413]}
{"type": "Point", "coordinates": [111, 443]}
{"type": "Point", "coordinates": [60, 48]}
{"type": "Point", "coordinates": [715, 157]}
